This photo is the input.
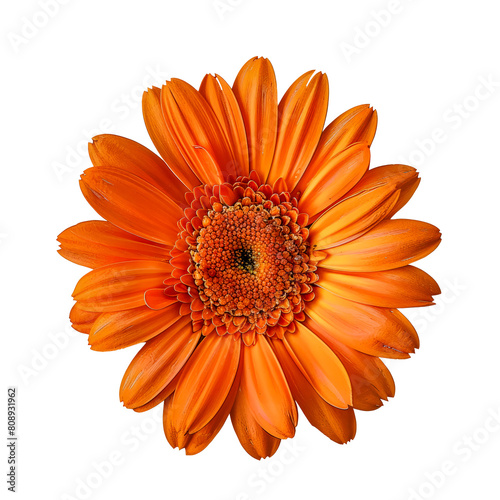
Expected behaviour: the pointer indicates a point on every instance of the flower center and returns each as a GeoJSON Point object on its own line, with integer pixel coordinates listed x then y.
{"type": "Point", "coordinates": [248, 262]}
{"type": "Point", "coordinates": [243, 260]}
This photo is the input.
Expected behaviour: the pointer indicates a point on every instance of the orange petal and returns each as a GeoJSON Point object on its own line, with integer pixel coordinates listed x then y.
{"type": "Point", "coordinates": [161, 396]}
{"type": "Point", "coordinates": [406, 286]}
{"type": "Point", "coordinates": [267, 391]}
{"type": "Point", "coordinates": [373, 330]}
{"type": "Point", "coordinates": [82, 320]}
{"type": "Point", "coordinates": [401, 177]}
{"type": "Point", "coordinates": [109, 150]}
{"type": "Point", "coordinates": [355, 125]}
{"type": "Point", "coordinates": [116, 330]}
{"type": "Point", "coordinates": [157, 299]}
{"type": "Point", "coordinates": [352, 217]}
{"type": "Point", "coordinates": [205, 382]}
{"type": "Point", "coordinates": [255, 440]}
{"type": "Point", "coordinates": [168, 428]}
{"type": "Point", "coordinates": [257, 95]}
{"type": "Point", "coordinates": [337, 424]}
{"type": "Point", "coordinates": [162, 138]}
{"type": "Point", "coordinates": [390, 244]}
{"type": "Point", "coordinates": [193, 124]}
{"type": "Point", "coordinates": [119, 286]}
{"type": "Point", "coordinates": [323, 185]}
{"type": "Point", "coordinates": [223, 102]}
{"type": "Point", "coordinates": [302, 113]}
{"type": "Point", "coordinates": [201, 439]}
{"type": "Point", "coordinates": [320, 366]}
{"type": "Point", "coordinates": [157, 363]}
{"type": "Point", "coordinates": [98, 243]}
{"type": "Point", "coordinates": [371, 381]}
{"type": "Point", "coordinates": [175, 438]}
{"type": "Point", "coordinates": [131, 203]}
{"type": "Point", "coordinates": [193, 443]}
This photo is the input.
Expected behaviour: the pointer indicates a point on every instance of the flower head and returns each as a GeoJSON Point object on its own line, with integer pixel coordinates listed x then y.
{"type": "Point", "coordinates": [258, 261]}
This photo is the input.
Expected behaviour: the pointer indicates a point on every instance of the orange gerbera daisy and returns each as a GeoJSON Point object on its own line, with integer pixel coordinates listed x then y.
{"type": "Point", "coordinates": [258, 260]}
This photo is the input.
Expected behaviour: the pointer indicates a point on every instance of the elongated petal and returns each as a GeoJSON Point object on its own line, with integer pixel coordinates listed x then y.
{"type": "Point", "coordinates": [205, 382]}
{"type": "Point", "coordinates": [225, 106]}
{"type": "Point", "coordinates": [401, 177]}
{"type": "Point", "coordinates": [116, 330]}
{"type": "Point", "coordinates": [175, 437]}
{"type": "Point", "coordinates": [193, 124]}
{"type": "Point", "coordinates": [355, 125]}
{"type": "Point", "coordinates": [320, 366]}
{"type": "Point", "coordinates": [132, 204]}
{"type": "Point", "coordinates": [405, 286]}
{"type": "Point", "coordinates": [391, 244]}
{"type": "Point", "coordinates": [157, 363]}
{"type": "Point", "coordinates": [255, 440]}
{"type": "Point", "coordinates": [157, 299]}
{"type": "Point", "coordinates": [120, 286]}
{"type": "Point", "coordinates": [321, 187]}
{"type": "Point", "coordinates": [337, 424]}
{"type": "Point", "coordinates": [352, 217]}
{"type": "Point", "coordinates": [167, 391]}
{"type": "Point", "coordinates": [373, 330]}
{"type": "Point", "coordinates": [163, 140]}
{"type": "Point", "coordinates": [168, 427]}
{"type": "Point", "coordinates": [257, 95]}
{"type": "Point", "coordinates": [201, 439]}
{"type": "Point", "coordinates": [82, 320]}
{"type": "Point", "coordinates": [302, 113]}
{"type": "Point", "coordinates": [267, 391]}
{"type": "Point", "coordinates": [98, 243]}
{"type": "Point", "coordinates": [371, 381]}
{"type": "Point", "coordinates": [197, 442]}
{"type": "Point", "coordinates": [109, 150]}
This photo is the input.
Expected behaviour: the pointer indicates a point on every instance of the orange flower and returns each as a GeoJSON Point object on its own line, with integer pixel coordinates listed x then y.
{"type": "Point", "coordinates": [258, 260]}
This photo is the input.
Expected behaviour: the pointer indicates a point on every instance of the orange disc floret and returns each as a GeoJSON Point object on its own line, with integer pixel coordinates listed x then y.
{"type": "Point", "coordinates": [243, 257]}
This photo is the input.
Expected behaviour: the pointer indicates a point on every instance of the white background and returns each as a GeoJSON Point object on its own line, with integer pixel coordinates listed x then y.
{"type": "Point", "coordinates": [423, 65]}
